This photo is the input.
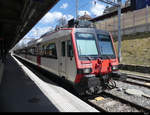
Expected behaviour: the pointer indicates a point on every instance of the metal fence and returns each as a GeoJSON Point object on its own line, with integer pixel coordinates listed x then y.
{"type": "Point", "coordinates": [136, 21]}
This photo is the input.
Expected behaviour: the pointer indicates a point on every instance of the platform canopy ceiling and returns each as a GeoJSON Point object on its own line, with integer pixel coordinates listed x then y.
{"type": "Point", "coordinates": [17, 17]}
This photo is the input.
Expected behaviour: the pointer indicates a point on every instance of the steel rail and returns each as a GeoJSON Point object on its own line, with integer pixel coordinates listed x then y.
{"type": "Point", "coordinates": [128, 101]}
{"type": "Point", "coordinates": [136, 77]}
{"type": "Point", "coordinates": [116, 98]}
{"type": "Point", "coordinates": [138, 84]}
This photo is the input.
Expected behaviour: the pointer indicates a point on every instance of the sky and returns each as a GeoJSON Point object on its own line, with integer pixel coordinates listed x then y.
{"type": "Point", "coordinates": [67, 10]}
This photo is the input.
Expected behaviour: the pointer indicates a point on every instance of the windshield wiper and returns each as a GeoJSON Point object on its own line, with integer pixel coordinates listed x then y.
{"type": "Point", "coordinates": [101, 48]}
{"type": "Point", "coordinates": [89, 57]}
{"type": "Point", "coordinates": [108, 57]}
{"type": "Point", "coordinates": [101, 57]}
{"type": "Point", "coordinates": [79, 50]}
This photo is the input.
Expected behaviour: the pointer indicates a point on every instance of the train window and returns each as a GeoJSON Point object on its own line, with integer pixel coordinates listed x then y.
{"type": "Point", "coordinates": [51, 50]}
{"type": "Point", "coordinates": [86, 44]}
{"type": "Point", "coordinates": [105, 45]}
{"type": "Point", "coordinates": [36, 52]}
{"type": "Point", "coordinates": [69, 49]}
{"type": "Point", "coordinates": [63, 49]}
{"type": "Point", "coordinates": [31, 51]}
{"type": "Point", "coordinates": [43, 52]}
{"type": "Point", "coordinates": [39, 53]}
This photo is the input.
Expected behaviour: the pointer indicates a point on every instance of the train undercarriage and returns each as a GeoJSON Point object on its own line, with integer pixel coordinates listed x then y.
{"type": "Point", "coordinates": [91, 84]}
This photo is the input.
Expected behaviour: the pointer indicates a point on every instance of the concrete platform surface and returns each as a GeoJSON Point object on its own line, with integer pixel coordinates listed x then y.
{"type": "Point", "coordinates": [22, 91]}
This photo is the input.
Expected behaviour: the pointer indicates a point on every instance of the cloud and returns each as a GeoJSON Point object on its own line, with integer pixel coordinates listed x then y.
{"type": "Point", "coordinates": [97, 9]}
{"type": "Point", "coordinates": [53, 17]}
{"type": "Point", "coordinates": [47, 23]}
{"type": "Point", "coordinates": [68, 17]}
{"type": "Point", "coordinates": [81, 13]}
{"type": "Point", "coordinates": [64, 6]}
{"type": "Point", "coordinates": [36, 32]}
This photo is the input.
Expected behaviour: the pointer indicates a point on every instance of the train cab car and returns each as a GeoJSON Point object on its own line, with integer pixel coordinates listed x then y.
{"type": "Point", "coordinates": [85, 56]}
{"type": "Point", "coordinates": [95, 57]}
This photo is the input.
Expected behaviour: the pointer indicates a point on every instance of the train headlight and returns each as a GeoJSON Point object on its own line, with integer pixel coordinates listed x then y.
{"type": "Point", "coordinates": [115, 67]}
{"type": "Point", "coordinates": [87, 70]}
{"type": "Point", "coordinates": [84, 71]}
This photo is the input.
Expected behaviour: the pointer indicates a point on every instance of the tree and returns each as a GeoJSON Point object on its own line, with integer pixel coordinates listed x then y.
{"type": "Point", "coordinates": [62, 22]}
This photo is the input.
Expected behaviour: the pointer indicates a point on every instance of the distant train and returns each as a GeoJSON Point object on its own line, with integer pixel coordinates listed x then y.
{"type": "Point", "coordinates": [83, 55]}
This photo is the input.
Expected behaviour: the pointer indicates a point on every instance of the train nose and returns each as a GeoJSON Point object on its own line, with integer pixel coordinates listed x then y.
{"type": "Point", "coordinates": [102, 66]}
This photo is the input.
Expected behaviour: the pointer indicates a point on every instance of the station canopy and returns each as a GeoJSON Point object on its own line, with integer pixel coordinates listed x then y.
{"type": "Point", "coordinates": [17, 17]}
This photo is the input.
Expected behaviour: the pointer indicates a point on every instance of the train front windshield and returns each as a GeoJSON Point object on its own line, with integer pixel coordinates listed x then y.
{"type": "Point", "coordinates": [105, 45]}
{"type": "Point", "coordinates": [86, 44]}
{"type": "Point", "coordinates": [88, 49]}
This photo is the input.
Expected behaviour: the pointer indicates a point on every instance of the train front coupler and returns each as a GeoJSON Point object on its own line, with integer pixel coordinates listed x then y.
{"type": "Point", "coordinates": [107, 82]}
{"type": "Point", "coordinates": [89, 85]}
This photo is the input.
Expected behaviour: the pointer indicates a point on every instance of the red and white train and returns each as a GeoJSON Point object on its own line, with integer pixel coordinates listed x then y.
{"type": "Point", "coordinates": [84, 56]}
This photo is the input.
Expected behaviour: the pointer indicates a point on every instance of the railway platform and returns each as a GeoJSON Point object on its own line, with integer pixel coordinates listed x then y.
{"type": "Point", "coordinates": [22, 91]}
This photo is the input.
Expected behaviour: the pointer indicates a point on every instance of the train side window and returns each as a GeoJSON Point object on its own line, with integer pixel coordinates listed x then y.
{"type": "Point", "coordinates": [36, 51]}
{"type": "Point", "coordinates": [63, 49]}
{"type": "Point", "coordinates": [31, 51]}
{"type": "Point", "coordinates": [69, 49]}
{"type": "Point", "coordinates": [43, 50]}
{"type": "Point", "coordinates": [51, 51]}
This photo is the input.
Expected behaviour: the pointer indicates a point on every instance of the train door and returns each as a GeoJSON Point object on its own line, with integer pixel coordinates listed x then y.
{"type": "Point", "coordinates": [70, 62]}
{"type": "Point", "coordinates": [39, 60]}
{"type": "Point", "coordinates": [62, 59]}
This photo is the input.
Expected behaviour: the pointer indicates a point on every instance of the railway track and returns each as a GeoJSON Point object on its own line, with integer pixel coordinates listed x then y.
{"type": "Point", "coordinates": [146, 79]}
{"type": "Point", "coordinates": [108, 102]}
{"type": "Point", "coordinates": [105, 102]}
{"type": "Point", "coordinates": [136, 80]}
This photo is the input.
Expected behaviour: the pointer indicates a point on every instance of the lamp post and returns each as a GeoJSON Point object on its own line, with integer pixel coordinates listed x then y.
{"type": "Point", "coordinates": [119, 30]}
{"type": "Point", "coordinates": [77, 9]}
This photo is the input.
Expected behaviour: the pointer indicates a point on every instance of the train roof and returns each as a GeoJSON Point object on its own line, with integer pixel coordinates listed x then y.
{"type": "Point", "coordinates": [31, 43]}
{"type": "Point", "coordinates": [66, 31]}
{"type": "Point", "coordinates": [77, 25]}
{"type": "Point", "coordinates": [91, 30]}
{"type": "Point", "coordinates": [63, 32]}
{"type": "Point", "coordinates": [52, 35]}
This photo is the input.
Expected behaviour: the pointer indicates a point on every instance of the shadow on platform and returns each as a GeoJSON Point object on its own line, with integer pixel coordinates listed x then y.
{"type": "Point", "coordinates": [18, 93]}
